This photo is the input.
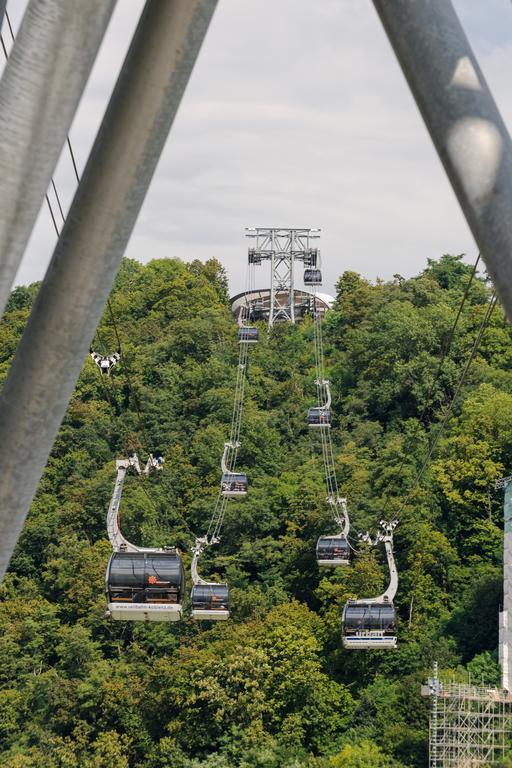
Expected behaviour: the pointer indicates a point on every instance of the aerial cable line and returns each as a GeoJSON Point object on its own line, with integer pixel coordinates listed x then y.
{"type": "Point", "coordinates": [444, 354]}
{"type": "Point", "coordinates": [332, 550]}
{"type": "Point", "coordinates": [232, 446]}
{"type": "Point", "coordinates": [134, 395]}
{"type": "Point", "coordinates": [160, 509]}
{"type": "Point", "coordinates": [9, 24]}
{"type": "Point", "coordinates": [58, 200]}
{"type": "Point", "coordinates": [126, 375]}
{"type": "Point", "coordinates": [57, 197]}
{"type": "Point", "coordinates": [447, 346]}
{"type": "Point", "coordinates": [210, 599]}
{"type": "Point", "coordinates": [338, 504]}
{"type": "Point", "coordinates": [449, 410]}
{"type": "Point", "coordinates": [57, 232]}
{"type": "Point", "coordinates": [73, 161]}
{"type": "Point", "coordinates": [50, 208]}
{"type": "Point", "coordinates": [131, 390]}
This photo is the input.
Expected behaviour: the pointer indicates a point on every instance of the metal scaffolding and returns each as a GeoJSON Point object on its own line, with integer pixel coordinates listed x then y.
{"type": "Point", "coordinates": [469, 725]}
{"type": "Point", "coordinates": [282, 247]}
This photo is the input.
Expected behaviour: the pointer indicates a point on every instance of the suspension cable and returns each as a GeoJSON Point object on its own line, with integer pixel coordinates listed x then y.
{"type": "Point", "coordinates": [132, 392]}
{"type": "Point", "coordinates": [447, 346]}
{"type": "Point", "coordinates": [48, 202]}
{"type": "Point", "coordinates": [449, 410]}
{"type": "Point", "coordinates": [57, 232]}
{"type": "Point", "coordinates": [444, 354]}
{"type": "Point", "coordinates": [329, 465]}
{"type": "Point", "coordinates": [231, 449]}
{"type": "Point", "coordinates": [56, 227]}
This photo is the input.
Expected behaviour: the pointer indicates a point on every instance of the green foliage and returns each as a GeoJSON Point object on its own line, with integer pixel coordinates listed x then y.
{"type": "Point", "coordinates": [273, 687]}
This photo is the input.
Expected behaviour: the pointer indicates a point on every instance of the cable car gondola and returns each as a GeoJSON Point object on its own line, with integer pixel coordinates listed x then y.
{"type": "Point", "coordinates": [248, 335]}
{"type": "Point", "coordinates": [369, 624]}
{"type": "Point", "coordinates": [234, 484]}
{"type": "Point", "coordinates": [210, 601]}
{"type": "Point", "coordinates": [145, 586]}
{"type": "Point", "coordinates": [312, 277]}
{"type": "Point", "coordinates": [332, 551]}
{"type": "Point", "coordinates": [141, 584]}
{"type": "Point", "coordinates": [256, 311]}
{"type": "Point", "coordinates": [319, 416]}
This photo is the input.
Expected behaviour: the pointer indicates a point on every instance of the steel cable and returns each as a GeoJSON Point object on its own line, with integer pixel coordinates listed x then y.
{"type": "Point", "coordinates": [444, 354]}
{"type": "Point", "coordinates": [329, 465]}
{"type": "Point", "coordinates": [217, 519]}
{"type": "Point", "coordinates": [449, 410]}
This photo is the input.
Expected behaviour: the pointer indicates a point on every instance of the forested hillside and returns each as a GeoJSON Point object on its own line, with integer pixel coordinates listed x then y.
{"type": "Point", "coordinates": [271, 688]}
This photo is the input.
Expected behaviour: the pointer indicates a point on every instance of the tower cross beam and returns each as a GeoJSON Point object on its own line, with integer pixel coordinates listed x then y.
{"type": "Point", "coordinates": [283, 247]}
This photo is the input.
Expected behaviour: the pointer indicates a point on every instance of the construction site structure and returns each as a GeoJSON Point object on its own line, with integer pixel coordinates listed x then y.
{"type": "Point", "coordinates": [469, 725]}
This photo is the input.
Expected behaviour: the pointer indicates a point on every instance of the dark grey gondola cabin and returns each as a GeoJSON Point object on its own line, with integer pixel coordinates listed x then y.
{"type": "Point", "coordinates": [319, 417]}
{"type": "Point", "coordinates": [248, 335]}
{"type": "Point", "coordinates": [332, 551]}
{"type": "Point", "coordinates": [210, 602]}
{"type": "Point", "coordinates": [257, 311]}
{"type": "Point", "coordinates": [369, 625]}
{"type": "Point", "coordinates": [234, 484]}
{"type": "Point", "coordinates": [145, 586]}
{"type": "Point", "coordinates": [312, 277]}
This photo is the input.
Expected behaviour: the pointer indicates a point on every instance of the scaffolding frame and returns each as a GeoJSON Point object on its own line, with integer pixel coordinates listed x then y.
{"type": "Point", "coordinates": [469, 725]}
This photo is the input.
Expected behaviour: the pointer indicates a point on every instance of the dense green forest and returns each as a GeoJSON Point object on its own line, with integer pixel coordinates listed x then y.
{"type": "Point", "coordinates": [271, 688]}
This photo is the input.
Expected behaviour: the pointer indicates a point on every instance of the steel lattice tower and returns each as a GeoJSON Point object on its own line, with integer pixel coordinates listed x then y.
{"type": "Point", "coordinates": [283, 248]}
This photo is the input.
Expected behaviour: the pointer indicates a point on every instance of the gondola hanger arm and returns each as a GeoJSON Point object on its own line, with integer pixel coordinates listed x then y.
{"type": "Point", "coordinates": [118, 541]}
{"type": "Point", "coordinates": [325, 384]}
{"type": "Point", "coordinates": [197, 549]}
{"type": "Point", "coordinates": [340, 513]}
{"type": "Point", "coordinates": [229, 446]}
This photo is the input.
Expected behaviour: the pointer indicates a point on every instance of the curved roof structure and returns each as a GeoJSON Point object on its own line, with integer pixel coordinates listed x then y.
{"type": "Point", "coordinates": [302, 300]}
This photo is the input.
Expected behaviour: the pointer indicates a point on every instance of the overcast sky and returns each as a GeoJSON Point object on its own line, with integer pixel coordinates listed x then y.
{"type": "Point", "coordinates": [296, 115]}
